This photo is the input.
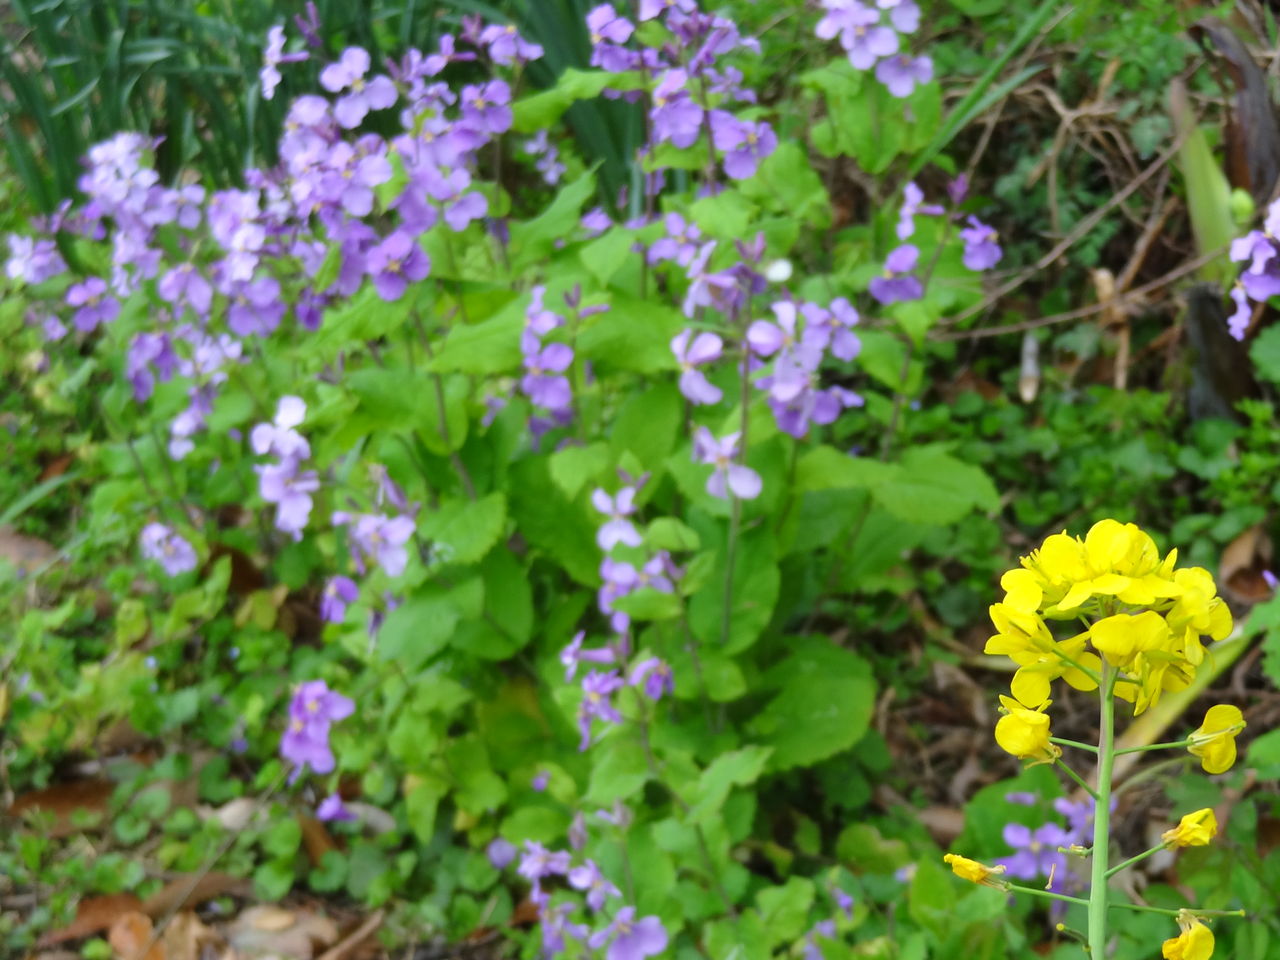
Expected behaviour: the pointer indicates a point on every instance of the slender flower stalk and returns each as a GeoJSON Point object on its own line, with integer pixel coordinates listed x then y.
{"type": "Point", "coordinates": [1102, 817]}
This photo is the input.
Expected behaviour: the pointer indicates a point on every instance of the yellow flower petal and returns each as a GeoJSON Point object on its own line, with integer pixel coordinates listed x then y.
{"type": "Point", "coordinates": [1215, 740]}
{"type": "Point", "coordinates": [1194, 830]}
{"type": "Point", "coordinates": [1194, 943]}
{"type": "Point", "coordinates": [972, 870]}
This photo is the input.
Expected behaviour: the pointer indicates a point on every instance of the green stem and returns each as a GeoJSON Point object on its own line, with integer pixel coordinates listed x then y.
{"type": "Point", "coordinates": [1139, 908]}
{"type": "Point", "coordinates": [1077, 778]}
{"type": "Point", "coordinates": [1102, 817]}
{"type": "Point", "coordinates": [1062, 742]}
{"type": "Point", "coordinates": [1132, 860]}
{"type": "Point", "coordinates": [1155, 746]}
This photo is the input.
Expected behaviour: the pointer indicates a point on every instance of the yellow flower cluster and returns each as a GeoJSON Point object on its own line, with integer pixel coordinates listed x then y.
{"type": "Point", "coordinates": [1139, 613]}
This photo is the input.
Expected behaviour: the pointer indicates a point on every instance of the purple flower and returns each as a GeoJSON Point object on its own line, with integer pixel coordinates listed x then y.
{"type": "Point", "coordinates": [573, 654]}
{"type": "Point", "coordinates": [649, 9]}
{"type": "Point", "coordinates": [539, 782]}
{"type": "Point", "coordinates": [766, 338]}
{"type": "Point", "coordinates": [33, 261]}
{"type": "Point", "coordinates": [333, 809]}
{"type": "Point", "coordinates": [312, 710]}
{"type": "Point", "coordinates": [898, 283]}
{"type": "Point", "coordinates": [290, 491]}
{"type": "Point", "coordinates": [707, 289]}
{"type": "Point", "coordinates": [145, 351]}
{"type": "Point", "coordinates": [728, 477]}
{"type": "Point", "coordinates": [338, 593]}
{"type": "Point", "coordinates": [279, 438]}
{"type": "Point", "coordinates": [1036, 853]}
{"type": "Point", "coordinates": [865, 41]}
{"type": "Point", "coordinates": [184, 285]}
{"type": "Point", "coordinates": [912, 204]}
{"type": "Point", "coordinates": [903, 14]}
{"type": "Point", "coordinates": [1270, 579]}
{"type": "Point", "coordinates": [1238, 322]}
{"type": "Point", "coordinates": [654, 676]}
{"type": "Point", "coordinates": [675, 116]}
{"type": "Point", "coordinates": [255, 307]}
{"type": "Point", "coordinates": [538, 863]}
{"type": "Point", "coordinates": [348, 74]}
{"type": "Point", "coordinates": [589, 878]}
{"type": "Point", "coordinates": [395, 263]}
{"type": "Point", "coordinates": [597, 689]}
{"type": "Point", "coordinates": [93, 305]}
{"type": "Point", "coordinates": [706, 348]}
{"type": "Point", "coordinates": [273, 56]}
{"type": "Point", "coordinates": [744, 144]}
{"type": "Point", "coordinates": [1261, 279]}
{"type": "Point", "coordinates": [617, 508]}
{"type": "Point", "coordinates": [607, 31]}
{"type": "Point", "coordinates": [901, 73]}
{"type": "Point", "coordinates": [557, 930]}
{"type": "Point", "coordinates": [507, 47]}
{"type": "Point", "coordinates": [541, 382]}
{"type": "Point", "coordinates": [981, 252]}
{"type": "Point", "coordinates": [171, 551]}
{"type": "Point", "coordinates": [680, 244]}
{"type": "Point", "coordinates": [836, 325]}
{"type": "Point", "coordinates": [486, 108]}
{"type": "Point", "coordinates": [500, 853]}
{"type": "Point", "coordinates": [381, 539]}
{"type": "Point", "coordinates": [631, 939]}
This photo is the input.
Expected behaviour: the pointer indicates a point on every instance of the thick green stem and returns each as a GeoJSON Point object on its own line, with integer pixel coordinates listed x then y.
{"type": "Point", "coordinates": [1102, 817]}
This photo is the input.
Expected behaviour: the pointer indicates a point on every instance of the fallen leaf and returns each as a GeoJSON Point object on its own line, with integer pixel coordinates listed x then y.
{"type": "Point", "coordinates": [93, 915]}
{"type": "Point", "coordinates": [25, 553]}
{"type": "Point", "coordinates": [316, 839]}
{"type": "Point", "coordinates": [131, 938]}
{"type": "Point", "coordinates": [260, 932]}
{"type": "Point", "coordinates": [182, 892]}
{"type": "Point", "coordinates": [1243, 560]}
{"type": "Point", "coordinates": [67, 803]}
{"type": "Point", "coordinates": [348, 944]}
{"type": "Point", "coordinates": [185, 938]}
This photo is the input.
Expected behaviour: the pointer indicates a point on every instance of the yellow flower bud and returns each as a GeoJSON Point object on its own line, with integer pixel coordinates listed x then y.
{"type": "Point", "coordinates": [973, 871]}
{"type": "Point", "coordinates": [1215, 741]}
{"type": "Point", "coordinates": [1025, 733]}
{"type": "Point", "coordinates": [1194, 830]}
{"type": "Point", "coordinates": [1194, 943]}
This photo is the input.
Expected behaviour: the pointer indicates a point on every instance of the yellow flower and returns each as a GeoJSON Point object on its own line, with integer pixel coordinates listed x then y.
{"type": "Point", "coordinates": [1024, 639]}
{"type": "Point", "coordinates": [1025, 733]}
{"type": "Point", "coordinates": [1198, 610]}
{"type": "Point", "coordinates": [1121, 638]}
{"type": "Point", "coordinates": [1215, 741]}
{"type": "Point", "coordinates": [1194, 943]}
{"type": "Point", "coordinates": [973, 871]}
{"type": "Point", "coordinates": [1194, 830]}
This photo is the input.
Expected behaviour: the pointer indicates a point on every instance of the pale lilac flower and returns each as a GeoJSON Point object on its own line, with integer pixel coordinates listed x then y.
{"type": "Point", "coordinates": [290, 491]}
{"type": "Point", "coordinates": [507, 47]}
{"type": "Point", "coordinates": [649, 9]}
{"type": "Point", "coordinates": [728, 477]}
{"type": "Point", "coordinates": [707, 288]}
{"type": "Point", "coordinates": [273, 56]}
{"type": "Point", "coordinates": [898, 282]}
{"type": "Point", "coordinates": [631, 939]}
{"type": "Point", "coordinates": [1261, 279]}
{"type": "Point", "coordinates": [901, 73]}
{"type": "Point", "coordinates": [148, 350]}
{"type": "Point", "coordinates": [913, 204]}
{"type": "Point", "coordinates": [381, 539]}
{"type": "Point", "coordinates": [537, 863]}
{"type": "Point", "coordinates": [33, 261]}
{"type": "Point", "coordinates": [680, 243]}
{"type": "Point", "coordinates": [1036, 853]}
{"type": "Point", "coordinates": [348, 73]}
{"type": "Point", "coordinates": [837, 323]}
{"type": "Point", "coordinates": [607, 31]}
{"type": "Point", "coordinates": [279, 438]}
{"type": "Point", "coordinates": [574, 654]}
{"type": "Point", "coordinates": [1270, 579]}
{"type": "Point", "coordinates": [338, 593]}
{"type": "Point", "coordinates": [589, 878]}
{"type": "Point", "coordinates": [655, 676]}
{"type": "Point", "coordinates": [313, 709]}
{"type": "Point", "coordinates": [539, 782]}
{"type": "Point", "coordinates": [255, 307]}
{"type": "Point", "coordinates": [1238, 323]}
{"type": "Point", "coordinates": [557, 930]}
{"type": "Point", "coordinates": [184, 285]}
{"type": "Point", "coordinates": [597, 691]}
{"type": "Point", "coordinates": [486, 108]}
{"type": "Point", "coordinates": [93, 304]}
{"type": "Point", "coordinates": [500, 853]}
{"type": "Point", "coordinates": [981, 251]}
{"type": "Point", "coordinates": [675, 116]}
{"type": "Point", "coordinates": [744, 144]}
{"type": "Point", "coordinates": [706, 348]}
{"type": "Point", "coordinates": [542, 382]}
{"type": "Point", "coordinates": [171, 551]}
{"type": "Point", "coordinates": [617, 508]}
{"type": "Point", "coordinates": [823, 928]}
{"type": "Point", "coordinates": [395, 263]}
{"type": "Point", "coordinates": [903, 14]}
{"type": "Point", "coordinates": [332, 809]}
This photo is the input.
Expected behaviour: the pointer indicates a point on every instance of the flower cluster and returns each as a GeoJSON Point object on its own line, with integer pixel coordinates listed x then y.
{"type": "Point", "coordinates": [312, 711]}
{"type": "Point", "coordinates": [171, 551]}
{"type": "Point", "coordinates": [544, 382]}
{"type": "Point", "coordinates": [872, 37]}
{"type": "Point", "coordinates": [1143, 616]}
{"type": "Point", "coordinates": [282, 483]}
{"type": "Point", "coordinates": [623, 937]}
{"type": "Point", "coordinates": [1259, 250]}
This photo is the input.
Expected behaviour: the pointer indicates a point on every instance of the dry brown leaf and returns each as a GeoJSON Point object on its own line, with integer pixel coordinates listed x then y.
{"type": "Point", "coordinates": [348, 945]}
{"type": "Point", "coordinates": [1242, 563]}
{"type": "Point", "coordinates": [181, 892]}
{"type": "Point", "coordinates": [25, 553]}
{"type": "Point", "coordinates": [93, 915]}
{"type": "Point", "coordinates": [185, 937]}
{"type": "Point", "coordinates": [67, 802]}
{"type": "Point", "coordinates": [316, 839]}
{"type": "Point", "coordinates": [272, 931]}
{"type": "Point", "coordinates": [131, 938]}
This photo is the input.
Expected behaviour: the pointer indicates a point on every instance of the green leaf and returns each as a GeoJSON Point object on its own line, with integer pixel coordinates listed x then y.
{"type": "Point", "coordinates": [649, 604]}
{"type": "Point", "coordinates": [551, 522]}
{"type": "Point", "coordinates": [632, 335]}
{"type": "Point", "coordinates": [933, 487]}
{"type": "Point", "coordinates": [823, 704]}
{"type": "Point", "coordinates": [508, 616]}
{"type": "Point", "coordinates": [739, 768]}
{"type": "Point", "coordinates": [725, 215]}
{"type": "Point", "coordinates": [784, 910]}
{"type": "Point", "coordinates": [647, 425]}
{"type": "Point", "coordinates": [491, 346]}
{"type": "Point", "coordinates": [754, 592]}
{"type": "Point", "coordinates": [931, 898]}
{"type": "Point", "coordinates": [787, 182]}
{"type": "Point", "coordinates": [463, 531]}
{"type": "Point", "coordinates": [1265, 351]}
{"type": "Point", "coordinates": [421, 802]}
{"type": "Point", "coordinates": [419, 628]}
{"type": "Point", "coordinates": [604, 256]}
{"type": "Point", "coordinates": [619, 769]}
{"type": "Point", "coordinates": [573, 467]}
{"type": "Point", "coordinates": [668, 533]}
{"type": "Point", "coordinates": [826, 468]}
{"type": "Point", "coordinates": [533, 241]}
{"type": "Point", "coordinates": [282, 839]}
{"type": "Point", "coordinates": [273, 880]}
